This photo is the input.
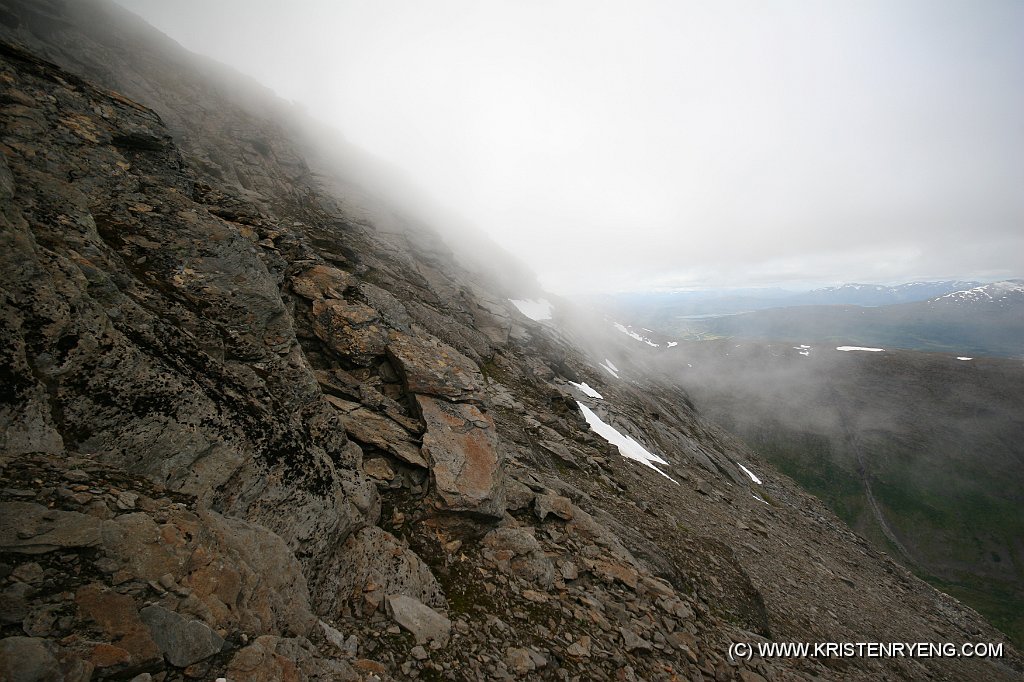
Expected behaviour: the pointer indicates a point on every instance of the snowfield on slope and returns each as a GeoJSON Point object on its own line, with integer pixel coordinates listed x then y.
{"type": "Point", "coordinates": [537, 310]}
{"type": "Point", "coordinates": [628, 448]}
{"type": "Point", "coordinates": [750, 473]}
{"type": "Point", "coordinates": [849, 348]}
{"type": "Point", "coordinates": [585, 389]}
{"type": "Point", "coordinates": [629, 332]}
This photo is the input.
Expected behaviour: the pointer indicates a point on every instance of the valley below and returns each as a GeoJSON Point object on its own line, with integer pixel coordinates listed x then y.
{"type": "Point", "coordinates": [922, 453]}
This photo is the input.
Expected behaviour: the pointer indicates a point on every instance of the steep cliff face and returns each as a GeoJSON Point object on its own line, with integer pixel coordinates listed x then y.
{"type": "Point", "coordinates": [249, 433]}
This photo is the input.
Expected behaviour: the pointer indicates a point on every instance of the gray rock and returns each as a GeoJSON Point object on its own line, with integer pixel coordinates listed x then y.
{"type": "Point", "coordinates": [28, 659]}
{"type": "Point", "coordinates": [632, 641]}
{"type": "Point", "coordinates": [182, 641]}
{"type": "Point", "coordinates": [517, 552]}
{"type": "Point", "coordinates": [374, 428]}
{"type": "Point", "coordinates": [333, 636]}
{"type": "Point", "coordinates": [374, 556]}
{"type": "Point", "coordinates": [519, 660]}
{"type": "Point", "coordinates": [423, 622]}
{"type": "Point", "coordinates": [14, 602]}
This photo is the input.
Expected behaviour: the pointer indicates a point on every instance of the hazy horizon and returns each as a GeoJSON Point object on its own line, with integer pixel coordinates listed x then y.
{"type": "Point", "coordinates": [622, 146]}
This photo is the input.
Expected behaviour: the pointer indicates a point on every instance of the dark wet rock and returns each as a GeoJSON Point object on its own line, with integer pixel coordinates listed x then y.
{"type": "Point", "coordinates": [29, 659]}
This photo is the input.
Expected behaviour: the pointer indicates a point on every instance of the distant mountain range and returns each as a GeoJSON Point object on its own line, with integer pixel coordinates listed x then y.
{"type": "Point", "coordinates": [1005, 294]}
{"type": "Point", "coordinates": [731, 301]}
{"type": "Point", "coordinates": [974, 319]}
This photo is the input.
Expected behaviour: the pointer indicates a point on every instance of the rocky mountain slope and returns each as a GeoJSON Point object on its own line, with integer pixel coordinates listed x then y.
{"type": "Point", "coordinates": [249, 433]}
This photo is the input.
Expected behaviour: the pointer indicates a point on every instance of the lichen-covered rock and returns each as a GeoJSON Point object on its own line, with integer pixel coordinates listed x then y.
{"type": "Point", "coordinates": [461, 447]}
{"type": "Point", "coordinates": [138, 323]}
{"type": "Point", "coordinates": [207, 575]}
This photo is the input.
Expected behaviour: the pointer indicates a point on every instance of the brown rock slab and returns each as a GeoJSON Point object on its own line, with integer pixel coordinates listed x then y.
{"type": "Point", "coordinates": [430, 367]}
{"type": "Point", "coordinates": [553, 504]}
{"type": "Point", "coordinates": [612, 571]}
{"type": "Point", "coordinates": [460, 445]}
{"type": "Point", "coordinates": [352, 330]}
{"type": "Point", "coordinates": [321, 281]}
{"type": "Point", "coordinates": [374, 428]}
{"type": "Point", "coordinates": [117, 617]}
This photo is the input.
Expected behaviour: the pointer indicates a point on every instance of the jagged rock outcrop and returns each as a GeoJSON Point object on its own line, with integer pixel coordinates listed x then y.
{"type": "Point", "coordinates": [248, 433]}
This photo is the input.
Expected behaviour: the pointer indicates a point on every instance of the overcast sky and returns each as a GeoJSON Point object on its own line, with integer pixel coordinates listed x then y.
{"type": "Point", "coordinates": [638, 144]}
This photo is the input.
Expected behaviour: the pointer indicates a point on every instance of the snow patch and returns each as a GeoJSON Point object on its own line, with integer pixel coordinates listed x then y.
{"type": "Point", "coordinates": [628, 448]}
{"type": "Point", "coordinates": [536, 310]}
{"type": "Point", "coordinates": [629, 332]}
{"type": "Point", "coordinates": [610, 368]}
{"type": "Point", "coordinates": [964, 358]}
{"type": "Point", "coordinates": [587, 390]}
{"type": "Point", "coordinates": [672, 343]}
{"type": "Point", "coordinates": [750, 473]}
{"type": "Point", "coordinates": [759, 498]}
{"type": "Point", "coordinates": [848, 348]}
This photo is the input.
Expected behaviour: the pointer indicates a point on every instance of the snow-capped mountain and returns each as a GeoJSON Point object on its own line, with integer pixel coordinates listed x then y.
{"type": "Point", "coordinates": [881, 294]}
{"type": "Point", "coordinates": [1005, 293]}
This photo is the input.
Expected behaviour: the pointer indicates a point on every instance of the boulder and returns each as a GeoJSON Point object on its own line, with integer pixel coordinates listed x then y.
{"type": "Point", "coordinates": [29, 659]}
{"type": "Point", "coordinates": [430, 367]}
{"type": "Point", "coordinates": [321, 281]}
{"type": "Point", "coordinates": [374, 428]}
{"type": "Point", "coordinates": [461, 448]}
{"type": "Point", "coordinates": [352, 330]}
{"type": "Point", "coordinates": [183, 641]}
{"type": "Point", "coordinates": [553, 504]}
{"type": "Point", "coordinates": [373, 561]}
{"type": "Point", "coordinates": [516, 551]}
{"type": "Point", "coordinates": [423, 622]}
